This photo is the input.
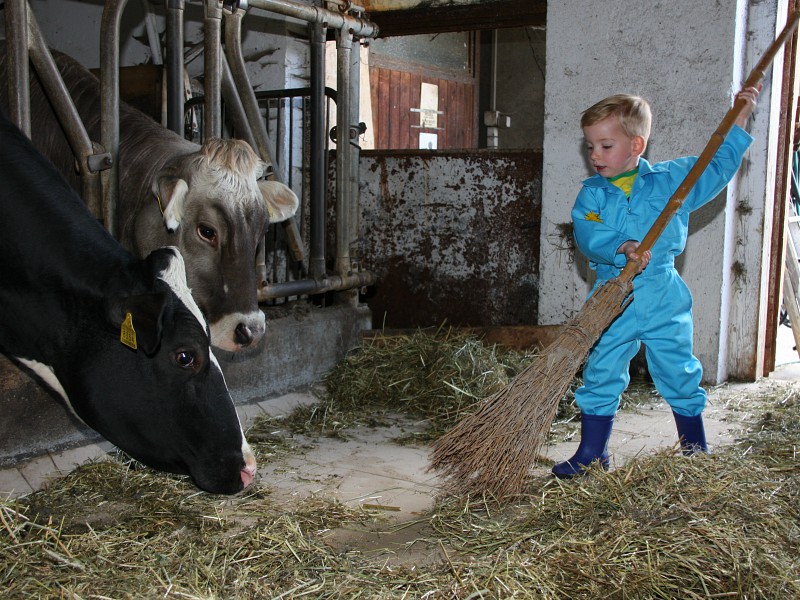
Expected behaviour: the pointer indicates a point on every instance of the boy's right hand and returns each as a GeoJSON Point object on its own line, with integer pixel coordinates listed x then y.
{"type": "Point", "coordinates": [629, 249]}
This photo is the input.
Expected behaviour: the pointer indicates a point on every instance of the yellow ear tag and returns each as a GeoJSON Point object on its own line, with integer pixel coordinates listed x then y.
{"type": "Point", "coordinates": [127, 334]}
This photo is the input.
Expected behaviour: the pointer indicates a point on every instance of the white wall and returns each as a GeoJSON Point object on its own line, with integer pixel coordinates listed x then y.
{"type": "Point", "coordinates": [686, 58]}
{"type": "Point", "coordinates": [520, 86]}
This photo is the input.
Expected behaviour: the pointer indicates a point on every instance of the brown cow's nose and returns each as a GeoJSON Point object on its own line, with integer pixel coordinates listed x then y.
{"type": "Point", "coordinates": [243, 336]}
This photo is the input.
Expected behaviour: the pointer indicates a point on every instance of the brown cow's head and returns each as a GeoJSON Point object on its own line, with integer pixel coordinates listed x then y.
{"type": "Point", "coordinates": [216, 211]}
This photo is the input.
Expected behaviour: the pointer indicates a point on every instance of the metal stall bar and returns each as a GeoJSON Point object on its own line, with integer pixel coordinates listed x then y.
{"type": "Point", "coordinates": [344, 230]}
{"type": "Point", "coordinates": [212, 110]}
{"type": "Point", "coordinates": [175, 89]}
{"type": "Point", "coordinates": [19, 103]}
{"type": "Point", "coordinates": [234, 107]}
{"type": "Point", "coordinates": [354, 153]}
{"type": "Point", "coordinates": [91, 159]}
{"type": "Point", "coordinates": [109, 106]}
{"type": "Point", "coordinates": [29, 48]}
{"type": "Point", "coordinates": [347, 27]}
{"type": "Point", "coordinates": [318, 139]}
{"type": "Point", "coordinates": [233, 52]}
{"type": "Point", "coordinates": [109, 97]}
{"type": "Point", "coordinates": [314, 14]}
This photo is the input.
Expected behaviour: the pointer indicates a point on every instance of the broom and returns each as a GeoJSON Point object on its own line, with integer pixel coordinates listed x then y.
{"type": "Point", "coordinates": [491, 450]}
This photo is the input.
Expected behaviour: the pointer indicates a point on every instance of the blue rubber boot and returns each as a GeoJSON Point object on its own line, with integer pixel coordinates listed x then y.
{"type": "Point", "coordinates": [595, 432]}
{"type": "Point", "coordinates": [691, 433]}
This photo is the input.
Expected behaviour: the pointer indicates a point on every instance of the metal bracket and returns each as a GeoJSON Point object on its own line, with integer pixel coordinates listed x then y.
{"type": "Point", "coordinates": [99, 162]}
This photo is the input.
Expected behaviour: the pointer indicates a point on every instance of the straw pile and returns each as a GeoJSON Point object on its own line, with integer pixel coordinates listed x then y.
{"type": "Point", "coordinates": [664, 526]}
{"type": "Point", "coordinates": [431, 379]}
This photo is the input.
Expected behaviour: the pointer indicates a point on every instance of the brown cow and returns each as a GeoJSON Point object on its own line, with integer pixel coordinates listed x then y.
{"type": "Point", "coordinates": [207, 201]}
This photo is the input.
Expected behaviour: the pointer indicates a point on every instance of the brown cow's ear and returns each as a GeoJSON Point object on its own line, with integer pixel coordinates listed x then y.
{"type": "Point", "coordinates": [281, 201]}
{"type": "Point", "coordinates": [171, 193]}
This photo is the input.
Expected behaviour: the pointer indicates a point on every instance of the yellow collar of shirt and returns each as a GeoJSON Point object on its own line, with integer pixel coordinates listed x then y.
{"type": "Point", "coordinates": [624, 181]}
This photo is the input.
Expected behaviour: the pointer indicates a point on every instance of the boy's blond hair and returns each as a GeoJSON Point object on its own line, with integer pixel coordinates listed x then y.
{"type": "Point", "coordinates": [633, 113]}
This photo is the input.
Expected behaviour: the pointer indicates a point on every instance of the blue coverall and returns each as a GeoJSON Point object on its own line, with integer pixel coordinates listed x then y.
{"type": "Point", "coordinates": [660, 314]}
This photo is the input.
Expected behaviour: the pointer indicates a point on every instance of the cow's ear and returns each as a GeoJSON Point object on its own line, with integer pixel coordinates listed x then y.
{"type": "Point", "coordinates": [171, 193]}
{"type": "Point", "coordinates": [281, 201]}
{"type": "Point", "coordinates": [139, 319]}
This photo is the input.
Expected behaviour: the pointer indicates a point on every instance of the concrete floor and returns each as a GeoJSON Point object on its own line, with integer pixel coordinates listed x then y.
{"type": "Point", "coordinates": [368, 469]}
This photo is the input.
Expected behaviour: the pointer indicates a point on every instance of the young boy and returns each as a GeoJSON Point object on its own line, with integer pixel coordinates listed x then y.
{"type": "Point", "coordinates": [613, 211]}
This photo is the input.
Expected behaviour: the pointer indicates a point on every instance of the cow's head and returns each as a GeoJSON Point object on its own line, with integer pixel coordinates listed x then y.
{"type": "Point", "coordinates": [216, 211]}
{"type": "Point", "coordinates": [157, 391]}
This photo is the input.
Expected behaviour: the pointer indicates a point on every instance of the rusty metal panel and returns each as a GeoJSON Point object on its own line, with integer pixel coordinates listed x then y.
{"type": "Point", "coordinates": [452, 236]}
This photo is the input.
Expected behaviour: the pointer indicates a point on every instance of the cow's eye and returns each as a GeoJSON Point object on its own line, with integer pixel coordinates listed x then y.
{"type": "Point", "coordinates": [206, 233]}
{"type": "Point", "coordinates": [185, 359]}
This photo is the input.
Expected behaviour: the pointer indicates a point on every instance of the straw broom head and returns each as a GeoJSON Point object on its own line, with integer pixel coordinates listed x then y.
{"type": "Point", "coordinates": [490, 451]}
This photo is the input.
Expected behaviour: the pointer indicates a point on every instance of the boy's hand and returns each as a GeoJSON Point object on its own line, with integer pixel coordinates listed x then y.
{"type": "Point", "coordinates": [750, 96]}
{"type": "Point", "coordinates": [629, 250]}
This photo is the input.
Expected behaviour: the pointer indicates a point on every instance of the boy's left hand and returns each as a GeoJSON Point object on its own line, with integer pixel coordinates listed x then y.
{"type": "Point", "coordinates": [750, 96]}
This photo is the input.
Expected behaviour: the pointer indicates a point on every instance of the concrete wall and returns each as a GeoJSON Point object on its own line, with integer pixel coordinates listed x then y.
{"type": "Point", "coordinates": [687, 58]}
{"type": "Point", "coordinates": [520, 86]}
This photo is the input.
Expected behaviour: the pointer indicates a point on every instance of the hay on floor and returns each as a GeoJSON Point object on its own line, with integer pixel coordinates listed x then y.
{"type": "Point", "coordinates": [663, 526]}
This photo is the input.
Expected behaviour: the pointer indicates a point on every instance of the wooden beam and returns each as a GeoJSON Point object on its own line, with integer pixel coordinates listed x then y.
{"type": "Point", "coordinates": [438, 19]}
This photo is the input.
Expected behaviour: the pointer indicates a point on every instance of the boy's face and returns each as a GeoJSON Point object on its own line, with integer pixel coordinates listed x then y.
{"type": "Point", "coordinates": [611, 151]}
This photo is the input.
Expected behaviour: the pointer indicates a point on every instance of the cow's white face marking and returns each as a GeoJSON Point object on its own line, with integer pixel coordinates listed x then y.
{"type": "Point", "coordinates": [175, 276]}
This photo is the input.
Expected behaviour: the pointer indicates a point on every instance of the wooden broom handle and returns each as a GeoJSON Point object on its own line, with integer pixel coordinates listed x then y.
{"type": "Point", "coordinates": [677, 199]}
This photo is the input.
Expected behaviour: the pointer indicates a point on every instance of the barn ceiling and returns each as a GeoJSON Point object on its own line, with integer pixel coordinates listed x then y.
{"type": "Point", "coordinates": [412, 17]}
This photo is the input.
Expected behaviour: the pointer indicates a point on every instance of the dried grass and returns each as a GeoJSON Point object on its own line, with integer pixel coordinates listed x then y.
{"type": "Point", "coordinates": [434, 380]}
{"type": "Point", "coordinates": [725, 525]}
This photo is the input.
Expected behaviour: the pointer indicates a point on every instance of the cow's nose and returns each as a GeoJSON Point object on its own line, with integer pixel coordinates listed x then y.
{"type": "Point", "coordinates": [243, 335]}
{"type": "Point", "coordinates": [248, 474]}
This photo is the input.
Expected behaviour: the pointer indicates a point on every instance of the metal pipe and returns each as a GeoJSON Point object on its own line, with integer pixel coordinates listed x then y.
{"type": "Point", "coordinates": [233, 106]}
{"type": "Point", "coordinates": [354, 150]}
{"type": "Point", "coordinates": [90, 159]}
{"type": "Point", "coordinates": [152, 33]}
{"type": "Point", "coordinates": [109, 106]}
{"type": "Point", "coordinates": [212, 107]}
{"type": "Point", "coordinates": [175, 89]}
{"type": "Point", "coordinates": [328, 283]}
{"type": "Point", "coordinates": [233, 52]}
{"type": "Point", "coordinates": [314, 14]}
{"type": "Point", "coordinates": [344, 42]}
{"type": "Point", "coordinates": [18, 70]}
{"type": "Point", "coordinates": [317, 167]}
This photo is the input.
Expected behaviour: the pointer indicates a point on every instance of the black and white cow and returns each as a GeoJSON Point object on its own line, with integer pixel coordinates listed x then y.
{"type": "Point", "coordinates": [70, 295]}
